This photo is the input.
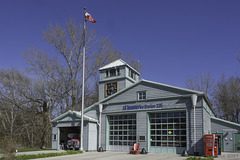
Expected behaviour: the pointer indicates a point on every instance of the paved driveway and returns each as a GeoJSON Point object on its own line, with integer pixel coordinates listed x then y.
{"type": "Point", "coordinates": [125, 156]}
{"type": "Point", "coordinates": [115, 156]}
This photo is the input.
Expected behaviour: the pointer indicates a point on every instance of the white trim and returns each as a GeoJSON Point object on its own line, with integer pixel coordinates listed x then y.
{"type": "Point", "coordinates": [117, 63]}
{"type": "Point", "coordinates": [225, 121]}
{"type": "Point", "coordinates": [78, 115]}
{"type": "Point", "coordinates": [174, 87]}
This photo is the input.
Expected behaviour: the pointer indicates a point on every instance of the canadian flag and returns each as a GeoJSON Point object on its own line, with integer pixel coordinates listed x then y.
{"type": "Point", "coordinates": [89, 17]}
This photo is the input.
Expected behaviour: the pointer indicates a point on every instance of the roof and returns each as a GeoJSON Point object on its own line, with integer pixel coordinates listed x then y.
{"type": "Point", "coordinates": [78, 115]}
{"type": "Point", "coordinates": [174, 87]}
{"type": "Point", "coordinates": [117, 63]}
{"type": "Point", "coordinates": [225, 121]}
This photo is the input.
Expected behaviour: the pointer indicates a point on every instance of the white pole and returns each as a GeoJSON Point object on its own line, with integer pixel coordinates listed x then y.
{"type": "Point", "coordinates": [83, 79]}
{"type": "Point", "coordinates": [194, 103]}
{"type": "Point", "coordinates": [194, 127]}
{"type": "Point", "coordinates": [100, 123]}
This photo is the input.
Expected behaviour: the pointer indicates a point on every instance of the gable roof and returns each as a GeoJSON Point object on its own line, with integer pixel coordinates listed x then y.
{"type": "Point", "coordinates": [117, 63]}
{"type": "Point", "coordinates": [76, 113]}
{"type": "Point", "coordinates": [174, 87]}
{"type": "Point", "coordinates": [158, 84]}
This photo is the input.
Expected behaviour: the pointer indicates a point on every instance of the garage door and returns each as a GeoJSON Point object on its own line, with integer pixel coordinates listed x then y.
{"type": "Point", "coordinates": [122, 132]}
{"type": "Point", "coordinates": [168, 132]}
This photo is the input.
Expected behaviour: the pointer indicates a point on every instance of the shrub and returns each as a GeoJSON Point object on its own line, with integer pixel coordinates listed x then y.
{"type": "Point", "coordinates": [8, 148]}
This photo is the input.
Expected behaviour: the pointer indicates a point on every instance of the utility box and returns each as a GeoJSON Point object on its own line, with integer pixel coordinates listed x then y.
{"type": "Point", "coordinates": [211, 145]}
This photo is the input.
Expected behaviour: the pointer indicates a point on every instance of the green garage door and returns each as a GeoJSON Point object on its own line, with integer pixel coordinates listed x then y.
{"type": "Point", "coordinates": [168, 132]}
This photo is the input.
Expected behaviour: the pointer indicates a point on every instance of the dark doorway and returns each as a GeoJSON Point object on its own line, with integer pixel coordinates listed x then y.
{"type": "Point", "coordinates": [67, 133]}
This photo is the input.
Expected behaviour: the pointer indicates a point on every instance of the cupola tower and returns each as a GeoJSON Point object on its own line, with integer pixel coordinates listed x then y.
{"type": "Point", "coordinates": [116, 76]}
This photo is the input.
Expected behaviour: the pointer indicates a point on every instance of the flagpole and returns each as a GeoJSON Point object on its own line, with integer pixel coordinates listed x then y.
{"type": "Point", "coordinates": [83, 80]}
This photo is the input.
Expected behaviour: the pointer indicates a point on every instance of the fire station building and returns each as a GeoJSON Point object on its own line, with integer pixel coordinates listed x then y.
{"type": "Point", "coordinates": [162, 118]}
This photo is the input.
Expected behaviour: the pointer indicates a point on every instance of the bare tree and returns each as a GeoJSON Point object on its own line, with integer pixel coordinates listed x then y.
{"type": "Point", "coordinates": [65, 69]}
{"type": "Point", "coordinates": [20, 94]}
{"type": "Point", "coordinates": [204, 83]}
{"type": "Point", "coordinates": [227, 98]}
{"type": "Point", "coordinates": [28, 103]}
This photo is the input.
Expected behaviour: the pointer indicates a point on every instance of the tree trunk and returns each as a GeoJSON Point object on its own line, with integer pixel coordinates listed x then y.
{"type": "Point", "coordinates": [45, 119]}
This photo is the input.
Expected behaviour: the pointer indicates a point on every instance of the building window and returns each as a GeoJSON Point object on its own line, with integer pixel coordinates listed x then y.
{"type": "Point", "coordinates": [132, 74]}
{"type": "Point", "coordinates": [54, 137]}
{"type": "Point", "coordinates": [118, 71]}
{"type": "Point", "coordinates": [106, 73]}
{"type": "Point", "coordinates": [142, 95]}
{"type": "Point", "coordinates": [111, 88]}
{"type": "Point", "coordinates": [168, 129]}
{"type": "Point", "coordinates": [122, 130]}
{"type": "Point", "coordinates": [112, 72]}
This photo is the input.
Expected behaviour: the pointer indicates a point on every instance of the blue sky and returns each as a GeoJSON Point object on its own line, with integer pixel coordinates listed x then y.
{"type": "Point", "coordinates": [173, 39]}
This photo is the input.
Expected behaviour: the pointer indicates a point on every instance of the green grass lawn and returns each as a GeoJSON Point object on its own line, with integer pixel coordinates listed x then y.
{"type": "Point", "coordinates": [43, 155]}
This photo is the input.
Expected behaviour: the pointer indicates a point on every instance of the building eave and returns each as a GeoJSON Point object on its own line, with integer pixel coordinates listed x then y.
{"type": "Point", "coordinates": [122, 63]}
{"type": "Point", "coordinates": [78, 115]}
{"type": "Point", "coordinates": [225, 121]}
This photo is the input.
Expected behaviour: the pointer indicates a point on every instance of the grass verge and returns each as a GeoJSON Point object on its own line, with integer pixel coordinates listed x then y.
{"type": "Point", "coordinates": [32, 149]}
{"type": "Point", "coordinates": [44, 155]}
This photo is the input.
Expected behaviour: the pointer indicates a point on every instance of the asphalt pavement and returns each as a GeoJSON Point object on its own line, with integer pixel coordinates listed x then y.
{"type": "Point", "coordinates": [125, 156]}
{"type": "Point", "coordinates": [115, 156]}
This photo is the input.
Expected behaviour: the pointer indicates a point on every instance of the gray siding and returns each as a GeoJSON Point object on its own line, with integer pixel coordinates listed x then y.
{"type": "Point", "coordinates": [92, 136]}
{"type": "Point", "coordinates": [207, 113]}
{"type": "Point", "coordinates": [142, 129]}
{"type": "Point", "coordinates": [208, 109]}
{"type": "Point", "coordinates": [220, 126]}
{"type": "Point", "coordinates": [166, 105]}
{"type": "Point", "coordinates": [128, 83]}
{"type": "Point", "coordinates": [93, 113]}
{"type": "Point", "coordinates": [199, 129]}
{"type": "Point", "coordinates": [55, 132]}
{"type": "Point", "coordinates": [85, 135]}
{"type": "Point", "coordinates": [101, 91]}
{"type": "Point", "coordinates": [70, 118]}
{"type": "Point", "coordinates": [103, 133]}
{"type": "Point", "coordinates": [227, 129]}
{"type": "Point", "coordinates": [121, 86]}
{"type": "Point", "coordinates": [153, 92]}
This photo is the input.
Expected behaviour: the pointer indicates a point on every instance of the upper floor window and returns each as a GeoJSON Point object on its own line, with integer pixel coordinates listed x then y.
{"type": "Point", "coordinates": [54, 137]}
{"type": "Point", "coordinates": [132, 74]}
{"type": "Point", "coordinates": [112, 72]}
{"type": "Point", "coordinates": [142, 95]}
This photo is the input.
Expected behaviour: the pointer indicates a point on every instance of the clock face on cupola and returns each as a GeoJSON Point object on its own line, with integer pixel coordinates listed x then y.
{"type": "Point", "coordinates": [111, 88]}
